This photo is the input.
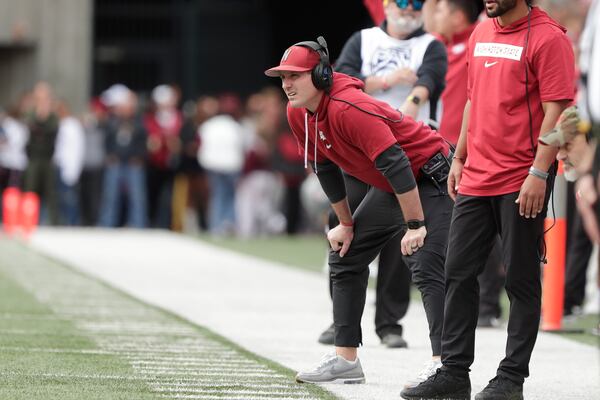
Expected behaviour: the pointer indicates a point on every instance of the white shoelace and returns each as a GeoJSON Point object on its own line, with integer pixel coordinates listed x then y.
{"type": "Point", "coordinates": [327, 359]}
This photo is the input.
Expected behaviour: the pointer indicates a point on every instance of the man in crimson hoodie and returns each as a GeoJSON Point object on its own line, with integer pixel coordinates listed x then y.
{"type": "Point", "coordinates": [520, 74]}
{"type": "Point", "coordinates": [403, 163]}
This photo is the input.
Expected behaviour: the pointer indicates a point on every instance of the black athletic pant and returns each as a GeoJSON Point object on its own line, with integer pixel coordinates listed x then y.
{"type": "Point", "coordinates": [377, 219]}
{"type": "Point", "coordinates": [491, 282]}
{"type": "Point", "coordinates": [393, 276]}
{"type": "Point", "coordinates": [475, 223]}
{"type": "Point", "coordinates": [579, 251]}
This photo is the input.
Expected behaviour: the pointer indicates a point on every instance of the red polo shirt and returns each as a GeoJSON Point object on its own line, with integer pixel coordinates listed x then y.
{"type": "Point", "coordinates": [499, 139]}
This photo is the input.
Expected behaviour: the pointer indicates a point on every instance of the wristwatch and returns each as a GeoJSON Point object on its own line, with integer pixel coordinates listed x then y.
{"type": "Point", "coordinates": [415, 223]}
{"type": "Point", "coordinates": [414, 99]}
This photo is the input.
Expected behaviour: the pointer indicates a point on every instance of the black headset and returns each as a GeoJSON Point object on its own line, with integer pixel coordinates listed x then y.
{"type": "Point", "coordinates": [322, 76]}
{"type": "Point", "coordinates": [322, 73]}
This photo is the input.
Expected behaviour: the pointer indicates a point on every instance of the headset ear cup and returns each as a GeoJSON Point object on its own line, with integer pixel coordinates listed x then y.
{"type": "Point", "coordinates": [315, 76]}
{"type": "Point", "coordinates": [327, 74]}
{"type": "Point", "coordinates": [322, 76]}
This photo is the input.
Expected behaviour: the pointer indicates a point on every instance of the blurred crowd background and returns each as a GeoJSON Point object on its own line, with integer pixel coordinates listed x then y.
{"type": "Point", "coordinates": [156, 113]}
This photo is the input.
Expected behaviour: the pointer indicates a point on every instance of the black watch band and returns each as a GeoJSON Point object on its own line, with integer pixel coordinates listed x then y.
{"type": "Point", "coordinates": [415, 223]}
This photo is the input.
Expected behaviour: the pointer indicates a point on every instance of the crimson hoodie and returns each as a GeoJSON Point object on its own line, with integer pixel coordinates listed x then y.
{"type": "Point", "coordinates": [353, 135]}
{"type": "Point", "coordinates": [499, 142]}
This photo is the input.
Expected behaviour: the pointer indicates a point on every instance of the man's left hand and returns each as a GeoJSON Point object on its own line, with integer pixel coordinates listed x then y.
{"type": "Point", "coordinates": [531, 197]}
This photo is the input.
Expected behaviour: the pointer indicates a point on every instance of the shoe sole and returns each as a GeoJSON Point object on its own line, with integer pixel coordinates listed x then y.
{"type": "Point", "coordinates": [437, 398]}
{"type": "Point", "coordinates": [455, 396]}
{"type": "Point", "coordinates": [347, 381]}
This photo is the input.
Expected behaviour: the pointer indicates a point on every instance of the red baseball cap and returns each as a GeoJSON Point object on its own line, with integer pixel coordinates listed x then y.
{"type": "Point", "coordinates": [295, 59]}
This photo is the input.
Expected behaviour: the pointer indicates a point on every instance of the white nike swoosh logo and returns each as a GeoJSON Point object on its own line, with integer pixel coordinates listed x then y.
{"type": "Point", "coordinates": [490, 64]}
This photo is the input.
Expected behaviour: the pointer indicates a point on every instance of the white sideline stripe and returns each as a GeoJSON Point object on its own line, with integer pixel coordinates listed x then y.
{"type": "Point", "coordinates": [28, 332]}
{"type": "Point", "coordinates": [43, 350]}
{"type": "Point", "coordinates": [75, 376]}
{"type": "Point", "coordinates": [183, 396]}
{"type": "Point", "coordinates": [170, 372]}
{"type": "Point", "coordinates": [197, 363]}
{"type": "Point", "coordinates": [289, 392]}
{"type": "Point", "coordinates": [209, 380]}
{"type": "Point", "coordinates": [32, 317]}
{"type": "Point", "coordinates": [184, 368]}
{"type": "Point", "coordinates": [158, 348]}
{"type": "Point", "coordinates": [110, 352]}
{"type": "Point", "coordinates": [181, 385]}
{"type": "Point", "coordinates": [162, 357]}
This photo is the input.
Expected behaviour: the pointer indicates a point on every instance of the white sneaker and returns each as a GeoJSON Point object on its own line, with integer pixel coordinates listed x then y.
{"type": "Point", "coordinates": [428, 370]}
{"type": "Point", "coordinates": [333, 369]}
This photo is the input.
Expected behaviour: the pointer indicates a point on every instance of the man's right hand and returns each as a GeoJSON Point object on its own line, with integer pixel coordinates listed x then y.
{"type": "Point", "coordinates": [454, 177]}
{"type": "Point", "coordinates": [340, 238]}
{"type": "Point", "coordinates": [413, 240]}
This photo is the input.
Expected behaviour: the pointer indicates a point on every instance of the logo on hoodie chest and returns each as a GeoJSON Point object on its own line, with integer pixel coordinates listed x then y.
{"type": "Point", "coordinates": [324, 140]}
{"type": "Point", "coordinates": [498, 50]}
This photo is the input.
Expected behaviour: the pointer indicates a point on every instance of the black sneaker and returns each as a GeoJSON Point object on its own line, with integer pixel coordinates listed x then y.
{"type": "Point", "coordinates": [327, 335]}
{"type": "Point", "coordinates": [488, 321]}
{"type": "Point", "coordinates": [441, 385]}
{"type": "Point", "coordinates": [501, 388]}
{"type": "Point", "coordinates": [394, 341]}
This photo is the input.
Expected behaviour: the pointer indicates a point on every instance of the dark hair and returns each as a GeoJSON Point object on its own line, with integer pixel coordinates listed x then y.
{"type": "Point", "coordinates": [471, 8]}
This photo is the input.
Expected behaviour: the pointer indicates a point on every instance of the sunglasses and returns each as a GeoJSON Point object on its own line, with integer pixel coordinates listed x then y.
{"type": "Point", "coordinates": [416, 4]}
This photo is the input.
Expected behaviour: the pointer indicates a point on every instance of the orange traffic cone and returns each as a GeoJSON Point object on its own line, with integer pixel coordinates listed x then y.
{"type": "Point", "coordinates": [11, 198]}
{"type": "Point", "coordinates": [556, 243]}
{"type": "Point", "coordinates": [29, 213]}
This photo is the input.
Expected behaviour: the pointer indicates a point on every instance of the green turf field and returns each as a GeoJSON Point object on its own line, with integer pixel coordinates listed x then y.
{"type": "Point", "coordinates": [66, 336]}
{"type": "Point", "coordinates": [308, 252]}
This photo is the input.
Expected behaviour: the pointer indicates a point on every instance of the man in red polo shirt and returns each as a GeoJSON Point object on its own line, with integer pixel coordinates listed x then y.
{"type": "Point", "coordinates": [521, 69]}
{"type": "Point", "coordinates": [400, 161]}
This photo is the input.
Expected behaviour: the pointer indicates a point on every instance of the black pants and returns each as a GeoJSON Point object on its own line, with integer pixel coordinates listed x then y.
{"type": "Point", "coordinates": [40, 177]}
{"type": "Point", "coordinates": [491, 282]}
{"type": "Point", "coordinates": [90, 195]}
{"type": "Point", "coordinates": [579, 251]}
{"type": "Point", "coordinates": [475, 223]}
{"type": "Point", "coordinates": [377, 220]}
{"type": "Point", "coordinates": [393, 276]}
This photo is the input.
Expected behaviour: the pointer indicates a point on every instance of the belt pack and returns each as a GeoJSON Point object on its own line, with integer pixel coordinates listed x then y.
{"type": "Point", "coordinates": [437, 167]}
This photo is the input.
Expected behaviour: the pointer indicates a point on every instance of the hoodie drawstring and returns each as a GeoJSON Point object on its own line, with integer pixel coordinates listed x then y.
{"type": "Point", "coordinates": [306, 140]}
{"type": "Point", "coordinates": [316, 138]}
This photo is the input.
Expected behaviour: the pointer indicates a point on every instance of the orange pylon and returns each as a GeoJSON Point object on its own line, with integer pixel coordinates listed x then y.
{"type": "Point", "coordinates": [29, 213]}
{"type": "Point", "coordinates": [556, 243]}
{"type": "Point", "coordinates": [11, 199]}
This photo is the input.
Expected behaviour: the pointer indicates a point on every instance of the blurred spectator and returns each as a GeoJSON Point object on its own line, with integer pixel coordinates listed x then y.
{"type": "Point", "coordinates": [125, 156]}
{"type": "Point", "coordinates": [288, 163]}
{"type": "Point", "coordinates": [68, 157]}
{"type": "Point", "coordinates": [94, 122]}
{"type": "Point", "coordinates": [40, 175]}
{"type": "Point", "coordinates": [191, 184]}
{"type": "Point", "coordinates": [13, 139]}
{"type": "Point", "coordinates": [221, 154]}
{"type": "Point", "coordinates": [260, 191]}
{"type": "Point", "coordinates": [163, 125]}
